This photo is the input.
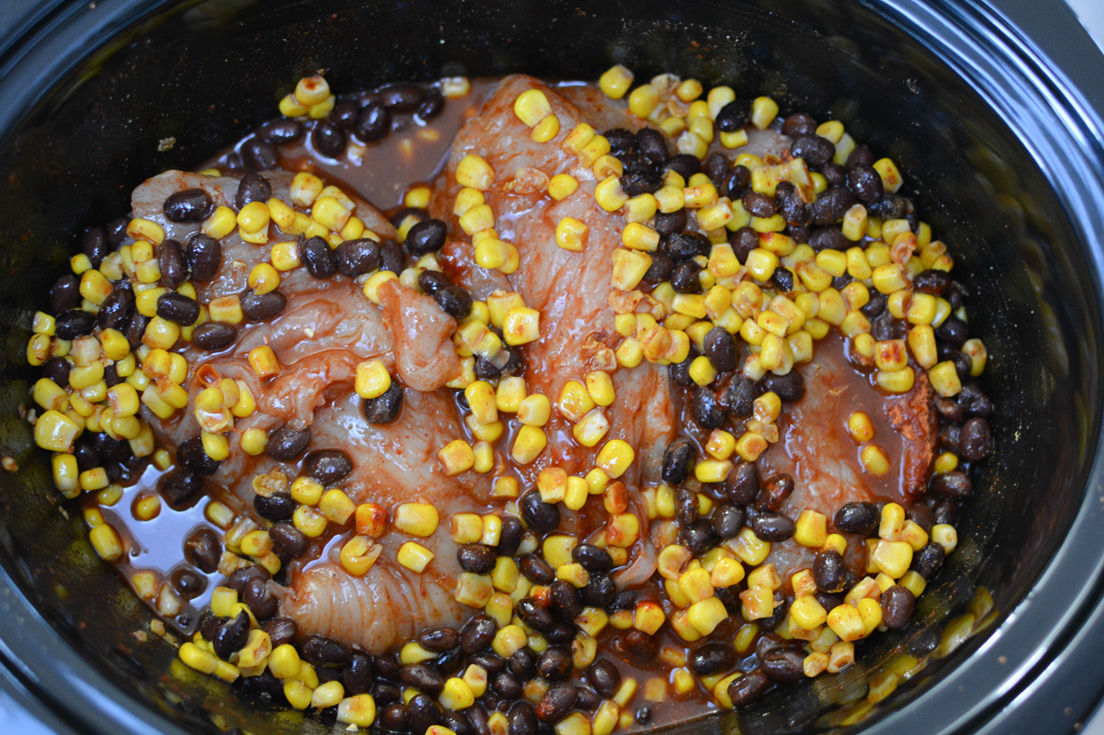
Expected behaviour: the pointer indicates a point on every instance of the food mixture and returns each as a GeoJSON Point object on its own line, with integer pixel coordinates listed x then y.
{"type": "Point", "coordinates": [502, 407]}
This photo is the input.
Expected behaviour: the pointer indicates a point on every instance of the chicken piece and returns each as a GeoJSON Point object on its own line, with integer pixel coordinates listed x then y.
{"type": "Point", "coordinates": [424, 355]}
{"type": "Point", "coordinates": [823, 460]}
{"type": "Point", "coordinates": [570, 289]}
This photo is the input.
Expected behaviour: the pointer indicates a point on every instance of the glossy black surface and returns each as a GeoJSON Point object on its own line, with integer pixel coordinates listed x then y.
{"type": "Point", "coordinates": [1001, 146]}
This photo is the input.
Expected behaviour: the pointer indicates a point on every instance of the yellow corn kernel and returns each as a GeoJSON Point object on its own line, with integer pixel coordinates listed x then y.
{"type": "Point", "coordinates": [615, 457]}
{"type": "Point", "coordinates": [534, 410]}
{"type": "Point", "coordinates": [372, 379]}
{"type": "Point", "coordinates": [891, 175]}
{"type": "Point", "coordinates": [561, 186]}
{"type": "Point", "coordinates": [263, 361]}
{"type": "Point", "coordinates": [414, 556]}
{"type": "Point", "coordinates": [615, 82]}
{"type": "Point", "coordinates": [629, 267]}
{"type": "Point", "coordinates": [892, 557]}
{"type": "Point", "coordinates": [898, 381]}
{"type": "Point", "coordinates": [571, 234]}
{"type": "Point", "coordinates": [637, 236]}
{"type": "Point", "coordinates": [705, 615]}
{"type": "Point", "coordinates": [975, 349]}
{"type": "Point", "coordinates": [106, 542]}
{"type": "Point", "coordinates": [220, 223]}
{"type": "Point", "coordinates": [874, 459]}
{"type": "Point", "coordinates": [417, 519]}
{"type": "Point", "coordinates": [763, 112]}
{"type": "Point", "coordinates": [474, 172]}
{"type": "Point", "coordinates": [945, 535]}
{"type": "Point", "coordinates": [457, 456]}
{"type": "Point", "coordinates": [55, 431]}
{"type": "Point", "coordinates": [359, 554]}
{"type": "Point", "coordinates": [944, 379]}
{"type": "Point", "coordinates": [520, 326]}
{"type": "Point", "coordinates": [531, 107]}
{"type": "Point", "coordinates": [529, 443]}
{"type": "Point", "coordinates": [643, 100]}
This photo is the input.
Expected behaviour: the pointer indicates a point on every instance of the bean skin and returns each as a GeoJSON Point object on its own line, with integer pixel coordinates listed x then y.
{"type": "Point", "coordinates": [711, 658]}
{"type": "Point", "coordinates": [319, 257]}
{"type": "Point", "coordinates": [677, 461]}
{"type": "Point", "coordinates": [897, 606]}
{"type": "Point", "coordinates": [214, 336]}
{"type": "Point", "coordinates": [720, 348]}
{"type": "Point", "coordinates": [386, 408]}
{"type": "Point", "coordinates": [286, 444]}
{"type": "Point", "coordinates": [477, 634]}
{"type": "Point", "coordinates": [604, 677]}
{"type": "Point", "coordinates": [190, 205]}
{"type": "Point", "coordinates": [975, 440]}
{"type": "Point", "coordinates": [746, 689]}
{"type": "Point", "coordinates": [858, 518]}
{"type": "Point", "coordinates": [262, 307]}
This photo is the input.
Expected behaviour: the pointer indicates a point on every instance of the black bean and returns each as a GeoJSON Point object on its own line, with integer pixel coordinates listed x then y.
{"type": "Point", "coordinates": [484, 369]}
{"type": "Point", "coordinates": [357, 257]}
{"type": "Point", "coordinates": [587, 700]}
{"type": "Point", "coordinates": [374, 123]}
{"type": "Point", "coordinates": [204, 257]}
{"type": "Point", "coordinates": [651, 144]}
{"type": "Point", "coordinates": [439, 639]}
{"type": "Point", "coordinates": [454, 301]}
{"type": "Point", "coordinates": [393, 717]}
{"type": "Point", "coordinates": [422, 713]}
{"type": "Point", "coordinates": [621, 140]}
{"type": "Point", "coordinates": [275, 507]}
{"type": "Point", "coordinates": [287, 540]}
{"type": "Point", "coordinates": [604, 677]}
{"type": "Point", "coordinates": [536, 569]}
{"type": "Point", "coordinates": [921, 515]}
{"type": "Point", "coordinates": [742, 483]}
{"type": "Point", "coordinates": [174, 267]}
{"type": "Point", "coordinates": [743, 241]}
{"type": "Point", "coordinates": [476, 558]}
{"type": "Point", "coordinates": [759, 205]}
{"type": "Point", "coordinates": [523, 663]}
{"type": "Point", "coordinates": [116, 308]}
{"type": "Point", "coordinates": [711, 658]}
{"type": "Point", "coordinates": [565, 600]}
{"type": "Point", "coordinates": [860, 155]}
{"type": "Point", "coordinates": [190, 205]}
{"type": "Point", "coordinates": [319, 257]}
{"type": "Point", "coordinates": [192, 457]}
{"type": "Point", "coordinates": [592, 558]}
{"type": "Point", "coordinates": [178, 308]}
{"type": "Point", "coordinates": [203, 549]}
{"type": "Point", "coordinates": [885, 327]}
{"type": "Point", "coordinates": [422, 677]}
{"type": "Point", "coordinates": [279, 132]}
{"type": "Point", "coordinates": [535, 616]}
{"type": "Point", "coordinates": [890, 206]}
{"type": "Point", "coordinates": [328, 466]}
{"type": "Point", "coordinates": [457, 722]}
{"type": "Point", "coordinates": [74, 323]}
{"type": "Point", "coordinates": [948, 438]}
{"type": "Point", "coordinates": [668, 223]}
{"type": "Point", "coordinates": [771, 526]}
{"type": "Point", "coordinates": [188, 582]}
{"type": "Point", "coordinates": [858, 518]}
{"type": "Point", "coordinates": [213, 336]}
{"type": "Point", "coordinates": [515, 364]}
{"type": "Point", "coordinates": [684, 164]}
{"type": "Point", "coordinates": [260, 599]}
{"type": "Point", "coordinates": [685, 245]}
{"type": "Point", "coordinates": [285, 444]}
{"type": "Point", "coordinates": [798, 233]}
{"type": "Point", "coordinates": [328, 139]}
{"type": "Point", "coordinates": [698, 536]}
{"type": "Point", "coordinates": [639, 644]}
{"type": "Point", "coordinates": [322, 651]}
{"type": "Point", "coordinates": [402, 97]}
{"type": "Point", "coordinates": [384, 409]}
{"type": "Point", "coordinates": [252, 188]}
{"type": "Point", "coordinates": [281, 631]}
{"type": "Point", "coordinates": [392, 257]}
{"type": "Point", "coordinates": [680, 371]}
{"type": "Point", "coordinates": [748, 688]}
{"type": "Point", "coordinates": [974, 402]}
{"type": "Point", "coordinates": [829, 572]}
{"type": "Point", "coordinates": [509, 538]}
{"type": "Point", "coordinates": [720, 348]}
{"type": "Point", "coordinates": [387, 668]}
{"type": "Point", "coordinates": [231, 636]}
{"type": "Point", "coordinates": [542, 517]}
{"type": "Point", "coordinates": [686, 506]}
{"type": "Point", "coordinates": [953, 331]}
{"type": "Point", "coordinates": [816, 150]}
{"type": "Point", "coordinates": [344, 114]}
{"type": "Point", "coordinates": [727, 520]}
{"type": "Point", "coordinates": [929, 560]}
{"type": "Point", "coordinates": [897, 606]}
{"type": "Point", "coordinates": [733, 116]}
{"type": "Point", "coordinates": [831, 205]}
{"type": "Point", "coordinates": [706, 410]}
{"type": "Point", "coordinates": [824, 238]}
{"type": "Point", "coordinates": [426, 237]}
{"type": "Point", "coordinates": [865, 182]}
{"type": "Point", "coordinates": [357, 676]}
{"type": "Point", "coordinates": [262, 307]}
{"type": "Point", "coordinates": [975, 440]}
{"type": "Point", "coordinates": [491, 662]}
{"type": "Point", "coordinates": [790, 204]}
{"type": "Point", "coordinates": [739, 398]}
{"type": "Point", "coordinates": [784, 665]}
{"type": "Point", "coordinates": [775, 490]}
{"type": "Point", "coordinates": [557, 702]}
{"type": "Point", "coordinates": [259, 155]}
{"type": "Point", "coordinates": [554, 664]}
{"type": "Point", "coordinates": [640, 180]}
{"type": "Point", "coordinates": [799, 124]}
{"type": "Point", "coordinates": [431, 107]}
{"type": "Point", "coordinates": [678, 460]}
{"type": "Point", "coordinates": [598, 591]}
{"type": "Point", "coordinates": [94, 245]}
{"type": "Point", "coordinates": [57, 369]}
{"type": "Point", "coordinates": [239, 578]}
{"type": "Point", "coordinates": [521, 719]}
{"type": "Point", "coordinates": [876, 306]}
{"type": "Point", "coordinates": [932, 282]}
{"type": "Point", "coordinates": [716, 168]}
{"type": "Point", "coordinates": [116, 231]}
{"type": "Point", "coordinates": [562, 634]}
{"type": "Point", "coordinates": [86, 454]}
{"type": "Point", "coordinates": [955, 485]}
{"type": "Point", "coordinates": [477, 634]}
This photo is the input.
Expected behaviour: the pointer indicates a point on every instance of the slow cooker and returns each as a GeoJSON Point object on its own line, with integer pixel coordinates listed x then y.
{"type": "Point", "coordinates": [995, 112]}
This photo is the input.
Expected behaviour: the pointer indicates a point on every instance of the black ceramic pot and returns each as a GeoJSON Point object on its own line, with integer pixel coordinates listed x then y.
{"type": "Point", "coordinates": [993, 112]}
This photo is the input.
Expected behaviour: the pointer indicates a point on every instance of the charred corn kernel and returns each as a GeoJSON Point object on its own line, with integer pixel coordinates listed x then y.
{"type": "Point", "coordinates": [520, 326]}
{"type": "Point", "coordinates": [944, 379]}
{"type": "Point", "coordinates": [417, 519]}
{"type": "Point", "coordinates": [263, 361]}
{"type": "Point", "coordinates": [615, 82]}
{"type": "Point", "coordinates": [106, 542]}
{"type": "Point", "coordinates": [529, 443]}
{"type": "Point", "coordinates": [571, 234]}
{"type": "Point", "coordinates": [474, 172]}
{"type": "Point", "coordinates": [336, 506]}
{"type": "Point", "coordinates": [891, 175]}
{"type": "Point", "coordinates": [763, 112]}
{"type": "Point", "coordinates": [892, 557]}
{"type": "Point", "coordinates": [945, 535]}
{"type": "Point", "coordinates": [898, 381]}
{"type": "Point", "coordinates": [890, 355]}
{"type": "Point", "coordinates": [414, 556]}
{"type": "Point", "coordinates": [455, 457]}
{"type": "Point", "coordinates": [615, 457]}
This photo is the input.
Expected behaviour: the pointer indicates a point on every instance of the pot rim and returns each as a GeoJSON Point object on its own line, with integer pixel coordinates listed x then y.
{"type": "Point", "coordinates": [1045, 643]}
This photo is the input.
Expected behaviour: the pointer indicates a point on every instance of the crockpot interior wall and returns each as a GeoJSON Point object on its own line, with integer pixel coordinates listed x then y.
{"type": "Point", "coordinates": [188, 80]}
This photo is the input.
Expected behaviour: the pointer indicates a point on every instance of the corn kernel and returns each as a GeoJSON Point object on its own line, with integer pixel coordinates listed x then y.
{"type": "Point", "coordinates": [414, 556]}
{"type": "Point", "coordinates": [475, 173]}
{"type": "Point", "coordinates": [529, 443]}
{"type": "Point", "coordinates": [417, 519]}
{"type": "Point", "coordinates": [457, 456]}
{"type": "Point", "coordinates": [571, 234]}
{"type": "Point", "coordinates": [615, 82]}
